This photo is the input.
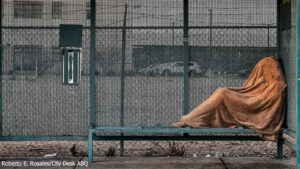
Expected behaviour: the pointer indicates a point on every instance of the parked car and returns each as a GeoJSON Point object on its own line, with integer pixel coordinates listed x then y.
{"type": "Point", "coordinates": [177, 68]}
{"type": "Point", "coordinates": [150, 70]}
{"type": "Point", "coordinates": [195, 70]}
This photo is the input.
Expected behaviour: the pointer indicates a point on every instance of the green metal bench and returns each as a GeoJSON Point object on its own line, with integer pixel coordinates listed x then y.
{"type": "Point", "coordinates": [187, 133]}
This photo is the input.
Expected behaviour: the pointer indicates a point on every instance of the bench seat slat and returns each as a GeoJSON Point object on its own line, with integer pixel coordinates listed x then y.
{"type": "Point", "coordinates": [170, 130]}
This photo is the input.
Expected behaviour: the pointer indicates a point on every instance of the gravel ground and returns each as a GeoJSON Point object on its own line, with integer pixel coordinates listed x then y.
{"type": "Point", "coordinates": [144, 148]}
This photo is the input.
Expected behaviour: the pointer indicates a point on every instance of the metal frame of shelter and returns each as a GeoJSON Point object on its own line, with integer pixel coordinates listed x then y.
{"type": "Point", "coordinates": [128, 133]}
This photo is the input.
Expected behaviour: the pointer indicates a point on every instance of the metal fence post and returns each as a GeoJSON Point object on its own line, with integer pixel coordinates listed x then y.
{"type": "Point", "coordinates": [90, 146]}
{"type": "Point", "coordinates": [123, 76]}
{"type": "Point", "coordinates": [92, 64]}
{"type": "Point", "coordinates": [92, 79]}
{"type": "Point", "coordinates": [298, 86]}
{"type": "Point", "coordinates": [186, 55]}
{"type": "Point", "coordinates": [280, 146]}
{"type": "Point", "coordinates": [1, 114]}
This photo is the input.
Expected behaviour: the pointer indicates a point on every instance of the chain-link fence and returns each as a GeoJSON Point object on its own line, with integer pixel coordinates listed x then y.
{"type": "Point", "coordinates": [139, 60]}
{"type": "Point", "coordinates": [226, 40]}
{"type": "Point", "coordinates": [35, 103]}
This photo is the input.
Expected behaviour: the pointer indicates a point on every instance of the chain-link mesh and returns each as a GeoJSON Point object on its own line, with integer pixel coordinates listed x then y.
{"type": "Point", "coordinates": [35, 103]}
{"type": "Point", "coordinates": [226, 37]}
{"type": "Point", "coordinates": [151, 96]}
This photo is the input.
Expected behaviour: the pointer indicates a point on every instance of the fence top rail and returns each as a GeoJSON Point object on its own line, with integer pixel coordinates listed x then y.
{"type": "Point", "coordinates": [146, 27]}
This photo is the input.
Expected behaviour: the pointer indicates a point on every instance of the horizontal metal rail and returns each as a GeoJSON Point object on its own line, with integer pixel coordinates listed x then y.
{"type": "Point", "coordinates": [179, 138]}
{"type": "Point", "coordinates": [171, 130]}
{"type": "Point", "coordinates": [146, 27]}
{"type": "Point", "coordinates": [290, 144]}
{"type": "Point", "coordinates": [290, 133]}
{"type": "Point", "coordinates": [43, 138]}
{"type": "Point", "coordinates": [131, 138]}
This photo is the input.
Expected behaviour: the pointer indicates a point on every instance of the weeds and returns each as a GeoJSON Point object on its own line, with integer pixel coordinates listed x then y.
{"type": "Point", "coordinates": [149, 153]}
{"type": "Point", "coordinates": [175, 149]}
{"type": "Point", "coordinates": [110, 152]}
{"type": "Point", "coordinates": [172, 149]}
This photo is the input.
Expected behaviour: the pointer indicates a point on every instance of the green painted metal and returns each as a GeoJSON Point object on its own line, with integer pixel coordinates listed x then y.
{"type": "Point", "coordinates": [171, 130]}
{"type": "Point", "coordinates": [70, 36]}
{"type": "Point", "coordinates": [298, 85]}
{"type": "Point", "coordinates": [1, 114]}
{"type": "Point", "coordinates": [136, 138]}
{"type": "Point", "coordinates": [146, 27]}
{"type": "Point", "coordinates": [186, 56]}
{"type": "Point", "coordinates": [278, 26]}
{"type": "Point", "coordinates": [179, 138]}
{"type": "Point", "coordinates": [43, 138]}
{"type": "Point", "coordinates": [280, 146]}
{"type": "Point", "coordinates": [290, 133]}
{"type": "Point", "coordinates": [92, 64]}
{"type": "Point", "coordinates": [65, 67]}
{"type": "Point", "coordinates": [116, 138]}
{"type": "Point", "coordinates": [290, 144]}
{"type": "Point", "coordinates": [90, 147]}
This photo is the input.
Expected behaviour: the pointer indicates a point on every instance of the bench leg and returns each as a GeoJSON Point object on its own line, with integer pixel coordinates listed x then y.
{"type": "Point", "coordinates": [121, 148]}
{"type": "Point", "coordinates": [90, 151]}
{"type": "Point", "coordinates": [280, 147]}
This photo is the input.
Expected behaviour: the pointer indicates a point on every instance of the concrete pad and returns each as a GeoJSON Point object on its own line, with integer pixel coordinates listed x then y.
{"type": "Point", "coordinates": [157, 163]}
{"type": "Point", "coordinates": [259, 163]}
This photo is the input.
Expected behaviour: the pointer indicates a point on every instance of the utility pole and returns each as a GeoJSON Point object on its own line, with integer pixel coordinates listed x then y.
{"type": "Point", "coordinates": [210, 36]}
{"type": "Point", "coordinates": [173, 40]}
{"type": "Point", "coordinates": [123, 77]}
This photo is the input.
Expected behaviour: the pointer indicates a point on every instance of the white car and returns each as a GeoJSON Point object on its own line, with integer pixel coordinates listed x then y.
{"type": "Point", "coordinates": [177, 68]}
{"type": "Point", "coordinates": [150, 70]}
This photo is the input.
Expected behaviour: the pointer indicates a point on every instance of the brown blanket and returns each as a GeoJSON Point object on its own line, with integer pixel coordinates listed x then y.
{"type": "Point", "coordinates": [259, 104]}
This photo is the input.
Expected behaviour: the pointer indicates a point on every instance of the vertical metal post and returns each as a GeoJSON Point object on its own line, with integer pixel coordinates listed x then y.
{"type": "Point", "coordinates": [173, 42]}
{"type": "Point", "coordinates": [65, 66]}
{"type": "Point", "coordinates": [186, 55]}
{"type": "Point", "coordinates": [298, 85]}
{"type": "Point", "coordinates": [90, 147]}
{"type": "Point", "coordinates": [123, 76]}
{"type": "Point", "coordinates": [210, 34]}
{"type": "Point", "coordinates": [268, 39]}
{"type": "Point", "coordinates": [92, 63]}
{"type": "Point", "coordinates": [280, 138]}
{"type": "Point", "coordinates": [1, 114]}
{"type": "Point", "coordinates": [280, 146]}
{"type": "Point", "coordinates": [278, 28]}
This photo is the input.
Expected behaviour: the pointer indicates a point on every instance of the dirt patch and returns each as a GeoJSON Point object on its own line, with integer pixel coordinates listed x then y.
{"type": "Point", "coordinates": [144, 148]}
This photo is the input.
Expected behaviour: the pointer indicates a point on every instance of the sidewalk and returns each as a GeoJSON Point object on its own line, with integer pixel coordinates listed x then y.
{"type": "Point", "coordinates": [153, 163]}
